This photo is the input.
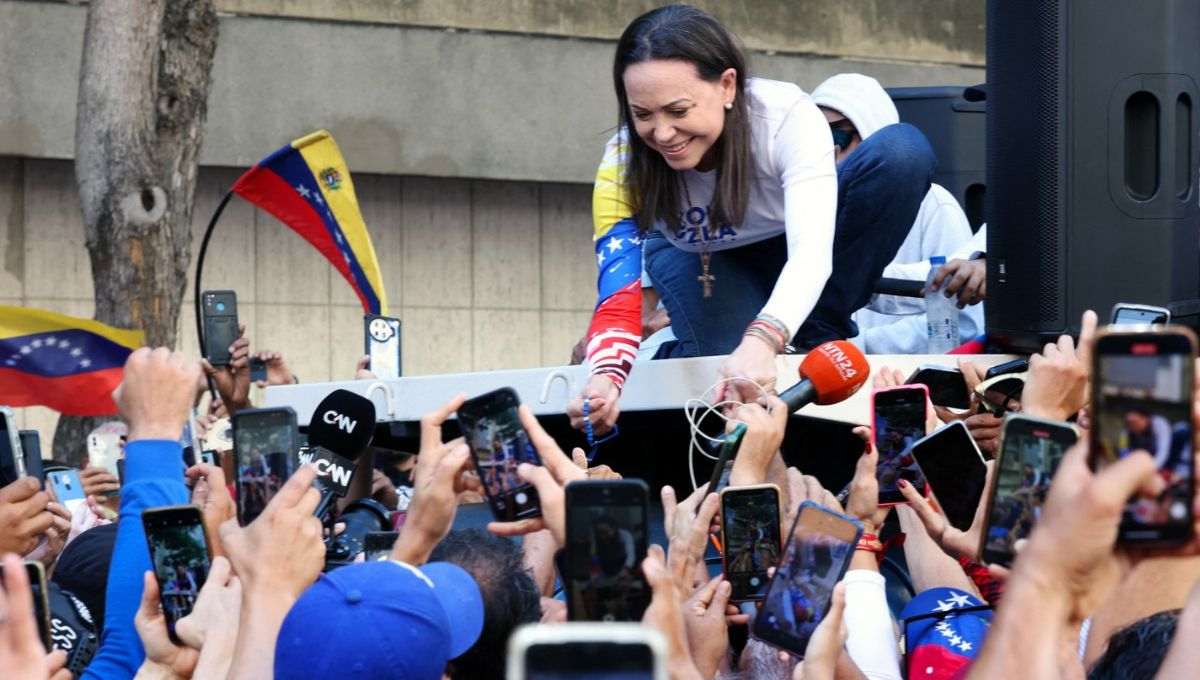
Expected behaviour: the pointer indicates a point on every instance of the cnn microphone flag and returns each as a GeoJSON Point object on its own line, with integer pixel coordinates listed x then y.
{"type": "Point", "coordinates": [307, 186]}
{"type": "Point", "coordinates": [68, 364]}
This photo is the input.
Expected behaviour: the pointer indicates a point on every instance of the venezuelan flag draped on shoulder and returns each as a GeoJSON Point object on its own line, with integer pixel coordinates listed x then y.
{"type": "Point", "coordinates": [70, 365]}
{"type": "Point", "coordinates": [307, 186]}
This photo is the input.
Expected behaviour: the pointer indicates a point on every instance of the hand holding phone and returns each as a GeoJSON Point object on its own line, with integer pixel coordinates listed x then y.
{"type": "Point", "coordinates": [1029, 458]}
{"type": "Point", "coordinates": [946, 384]}
{"type": "Point", "coordinates": [12, 456]}
{"type": "Point", "coordinates": [265, 451]}
{"type": "Point", "coordinates": [726, 455]}
{"type": "Point", "coordinates": [899, 416]}
{"type": "Point", "coordinates": [382, 337]}
{"type": "Point", "coordinates": [180, 557]}
{"type": "Point", "coordinates": [1142, 400]}
{"type": "Point", "coordinates": [68, 489]}
{"type": "Point", "coordinates": [752, 534]}
{"type": "Point", "coordinates": [498, 444]}
{"type": "Point", "coordinates": [220, 325]}
{"type": "Point", "coordinates": [818, 553]}
{"type": "Point", "coordinates": [607, 530]}
{"type": "Point", "coordinates": [955, 470]}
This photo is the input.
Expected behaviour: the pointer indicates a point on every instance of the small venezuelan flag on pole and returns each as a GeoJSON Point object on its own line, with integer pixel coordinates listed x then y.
{"type": "Point", "coordinates": [70, 365]}
{"type": "Point", "coordinates": [307, 186]}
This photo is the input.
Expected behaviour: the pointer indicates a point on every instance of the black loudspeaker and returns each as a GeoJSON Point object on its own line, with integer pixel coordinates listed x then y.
{"type": "Point", "coordinates": [1092, 139]}
{"type": "Point", "coordinates": [956, 131]}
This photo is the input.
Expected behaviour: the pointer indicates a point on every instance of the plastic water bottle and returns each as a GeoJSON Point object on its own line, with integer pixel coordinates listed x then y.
{"type": "Point", "coordinates": [941, 314]}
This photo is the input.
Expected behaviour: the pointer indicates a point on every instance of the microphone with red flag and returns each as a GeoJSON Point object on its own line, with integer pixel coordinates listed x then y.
{"type": "Point", "coordinates": [832, 372]}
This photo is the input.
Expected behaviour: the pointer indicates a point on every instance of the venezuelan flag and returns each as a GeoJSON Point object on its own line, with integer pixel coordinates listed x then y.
{"type": "Point", "coordinates": [71, 365]}
{"type": "Point", "coordinates": [307, 186]}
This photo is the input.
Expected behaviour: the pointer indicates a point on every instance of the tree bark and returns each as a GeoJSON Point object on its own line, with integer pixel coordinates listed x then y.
{"type": "Point", "coordinates": [143, 92]}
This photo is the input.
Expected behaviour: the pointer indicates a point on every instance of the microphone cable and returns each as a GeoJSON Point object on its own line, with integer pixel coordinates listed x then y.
{"type": "Point", "coordinates": [698, 409]}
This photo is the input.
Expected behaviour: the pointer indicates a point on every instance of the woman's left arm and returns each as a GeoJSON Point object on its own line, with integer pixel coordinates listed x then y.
{"type": "Point", "coordinates": [802, 152]}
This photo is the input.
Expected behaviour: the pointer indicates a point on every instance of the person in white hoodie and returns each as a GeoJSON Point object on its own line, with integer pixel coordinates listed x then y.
{"type": "Point", "coordinates": [856, 107]}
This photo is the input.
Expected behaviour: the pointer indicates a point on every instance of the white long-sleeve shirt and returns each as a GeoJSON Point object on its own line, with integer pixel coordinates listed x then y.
{"type": "Point", "coordinates": [872, 642]}
{"type": "Point", "coordinates": [893, 324]}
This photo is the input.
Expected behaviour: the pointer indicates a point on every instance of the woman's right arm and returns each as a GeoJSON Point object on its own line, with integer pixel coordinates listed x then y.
{"type": "Point", "coordinates": [616, 328]}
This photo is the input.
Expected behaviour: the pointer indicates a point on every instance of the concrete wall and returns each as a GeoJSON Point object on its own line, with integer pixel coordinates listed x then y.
{"type": "Point", "coordinates": [400, 100]}
{"type": "Point", "coordinates": [949, 31]}
{"type": "Point", "coordinates": [484, 274]}
{"type": "Point", "coordinates": [473, 130]}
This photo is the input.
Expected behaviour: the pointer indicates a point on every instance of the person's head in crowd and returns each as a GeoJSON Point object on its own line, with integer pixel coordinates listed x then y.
{"type": "Point", "coordinates": [680, 77]}
{"type": "Point", "coordinates": [82, 568]}
{"type": "Point", "coordinates": [111, 427]}
{"type": "Point", "coordinates": [939, 643]}
{"type": "Point", "coordinates": [510, 597]}
{"type": "Point", "coordinates": [856, 107]}
{"type": "Point", "coordinates": [760, 661]}
{"type": "Point", "coordinates": [1137, 650]}
{"type": "Point", "coordinates": [381, 620]}
{"type": "Point", "coordinates": [1137, 419]}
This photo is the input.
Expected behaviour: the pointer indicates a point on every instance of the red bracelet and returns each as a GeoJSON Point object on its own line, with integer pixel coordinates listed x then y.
{"type": "Point", "coordinates": [869, 543]}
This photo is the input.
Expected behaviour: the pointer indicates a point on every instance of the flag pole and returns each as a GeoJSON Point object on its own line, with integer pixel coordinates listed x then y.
{"type": "Point", "coordinates": [212, 388]}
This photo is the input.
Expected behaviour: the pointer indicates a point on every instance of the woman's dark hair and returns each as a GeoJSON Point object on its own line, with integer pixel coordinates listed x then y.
{"type": "Point", "coordinates": [689, 34]}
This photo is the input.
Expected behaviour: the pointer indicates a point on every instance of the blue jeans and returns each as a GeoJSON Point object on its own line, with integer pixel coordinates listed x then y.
{"type": "Point", "coordinates": [880, 188]}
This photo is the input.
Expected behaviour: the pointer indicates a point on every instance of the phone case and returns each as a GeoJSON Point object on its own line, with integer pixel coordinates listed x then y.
{"type": "Point", "coordinates": [762, 625]}
{"type": "Point", "coordinates": [1010, 421]}
{"type": "Point", "coordinates": [725, 555]}
{"type": "Point", "coordinates": [925, 417]}
{"type": "Point", "coordinates": [514, 499]}
{"type": "Point", "coordinates": [1168, 520]}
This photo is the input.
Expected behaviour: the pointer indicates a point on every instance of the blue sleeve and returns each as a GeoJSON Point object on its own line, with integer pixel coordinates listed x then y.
{"type": "Point", "coordinates": [153, 478]}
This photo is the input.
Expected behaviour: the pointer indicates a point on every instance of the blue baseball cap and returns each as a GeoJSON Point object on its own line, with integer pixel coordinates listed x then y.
{"type": "Point", "coordinates": [381, 620]}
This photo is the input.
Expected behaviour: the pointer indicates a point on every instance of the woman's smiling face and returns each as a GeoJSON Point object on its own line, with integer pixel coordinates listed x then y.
{"type": "Point", "coordinates": [677, 113]}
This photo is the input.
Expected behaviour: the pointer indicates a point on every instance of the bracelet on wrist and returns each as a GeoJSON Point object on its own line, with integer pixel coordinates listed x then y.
{"type": "Point", "coordinates": [869, 543]}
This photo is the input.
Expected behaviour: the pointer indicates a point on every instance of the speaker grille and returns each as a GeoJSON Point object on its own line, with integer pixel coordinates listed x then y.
{"type": "Point", "coordinates": [1050, 302]}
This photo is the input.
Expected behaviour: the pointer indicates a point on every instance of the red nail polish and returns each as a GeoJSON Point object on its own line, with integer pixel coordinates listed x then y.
{"type": "Point", "coordinates": [903, 484]}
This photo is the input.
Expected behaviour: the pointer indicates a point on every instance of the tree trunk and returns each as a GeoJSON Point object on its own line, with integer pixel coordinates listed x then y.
{"type": "Point", "coordinates": [143, 92]}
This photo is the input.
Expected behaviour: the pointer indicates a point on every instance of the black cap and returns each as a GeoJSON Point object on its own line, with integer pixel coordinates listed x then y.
{"type": "Point", "coordinates": [82, 568]}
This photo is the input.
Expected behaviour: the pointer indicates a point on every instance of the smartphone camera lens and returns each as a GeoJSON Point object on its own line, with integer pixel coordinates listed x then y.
{"type": "Point", "coordinates": [220, 306]}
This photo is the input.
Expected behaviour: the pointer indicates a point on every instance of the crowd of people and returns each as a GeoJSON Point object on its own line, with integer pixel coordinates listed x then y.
{"type": "Point", "coordinates": [748, 218]}
{"type": "Point", "coordinates": [1068, 607]}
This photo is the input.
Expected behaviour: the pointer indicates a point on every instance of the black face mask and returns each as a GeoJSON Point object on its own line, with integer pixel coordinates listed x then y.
{"type": "Point", "coordinates": [842, 136]}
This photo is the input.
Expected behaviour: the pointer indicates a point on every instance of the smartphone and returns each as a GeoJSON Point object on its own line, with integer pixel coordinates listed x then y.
{"type": "Point", "coordinates": [31, 449]}
{"type": "Point", "coordinates": [219, 436]}
{"type": "Point", "coordinates": [946, 384]}
{"type": "Point", "coordinates": [1007, 368]}
{"type": "Point", "coordinates": [382, 337]}
{"type": "Point", "coordinates": [1030, 453]}
{"type": "Point", "coordinates": [955, 471]}
{"type": "Point", "coordinates": [179, 556]}
{"type": "Point", "coordinates": [378, 545]}
{"type": "Point", "coordinates": [726, 454]}
{"type": "Point", "coordinates": [12, 457]}
{"type": "Point", "coordinates": [265, 450]}
{"type": "Point", "coordinates": [258, 370]}
{"type": "Point", "coordinates": [499, 444]}
{"type": "Point", "coordinates": [67, 489]}
{"type": "Point", "coordinates": [587, 651]}
{"type": "Point", "coordinates": [220, 325]}
{"type": "Point", "coordinates": [36, 574]}
{"type": "Point", "coordinates": [607, 535]}
{"type": "Point", "coordinates": [211, 458]}
{"type": "Point", "coordinates": [104, 450]}
{"type": "Point", "coordinates": [752, 533]}
{"type": "Point", "coordinates": [899, 415]}
{"type": "Point", "coordinates": [1127, 314]}
{"type": "Point", "coordinates": [1142, 384]}
{"type": "Point", "coordinates": [818, 554]}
